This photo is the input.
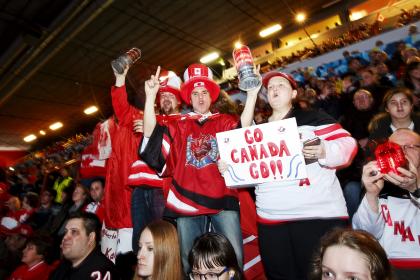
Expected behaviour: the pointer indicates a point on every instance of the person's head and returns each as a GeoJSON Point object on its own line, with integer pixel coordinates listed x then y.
{"type": "Point", "coordinates": [37, 249]}
{"type": "Point", "coordinates": [413, 71]}
{"type": "Point", "coordinates": [350, 254]}
{"type": "Point", "coordinates": [362, 100]}
{"type": "Point", "coordinates": [67, 193]}
{"type": "Point", "coordinates": [281, 90]}
{"type": "Point", "coordinates": [30, 201]}
{"type": "Point", "coordinates": [80, 194]}
{"type": "Point", "coordinates": [355, 64]}
{"type": "Point", "coordinates": [199, 89]}
{"type": "Point", "coordinates": [47, 196]}
{"type": "Point", "coordinates": [369, 78]}
{"type": "Point", "coordinates": [398, 102]}
{"type": "Point", "coordinates": [328, 89]}
{"type": "Point", "coordinates": [96, 189]}
{"type": "Point", "coordinates": [81, 235]}
{"type": "Point", "coordinates": [349, 80]}
{"type": "Point", "coordinates": [410, 142]}
{"type": "Point", "coordinates": [213, 255]}
{"type": "Point", "coordinates": [169, 94]}
{"type": "Point", "coordinates": [159, 255]}
{"type": "Point", "coordinates": [13, 203]}
{"type": "Point", "coordinates": [382, 68]}
{"type": "Point", "coordinates": [64, 172]}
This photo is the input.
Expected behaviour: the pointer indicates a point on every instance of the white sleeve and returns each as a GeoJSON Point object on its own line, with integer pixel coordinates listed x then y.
{"type": "Point", "coordinates": [368, 220]}
{"type": "Point", "coordinates": [338, 152]}
{"type": "Point", "coordinates": [144, 143]}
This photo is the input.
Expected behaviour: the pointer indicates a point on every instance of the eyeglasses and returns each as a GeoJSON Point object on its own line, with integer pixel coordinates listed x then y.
{"type": "Point", "coordinates": [410, 147]}
{"type": "Point", "coordinates": [207, 276]}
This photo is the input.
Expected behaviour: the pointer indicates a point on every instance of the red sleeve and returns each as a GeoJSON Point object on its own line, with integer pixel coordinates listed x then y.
{"type": "Point", "coordinates": [124, 112]}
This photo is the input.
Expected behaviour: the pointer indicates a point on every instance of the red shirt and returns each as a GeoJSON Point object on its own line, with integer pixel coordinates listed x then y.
{"type": "Point", "coordinates": [40, 271]}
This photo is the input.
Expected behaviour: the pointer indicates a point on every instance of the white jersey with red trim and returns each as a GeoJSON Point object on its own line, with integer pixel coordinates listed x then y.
{"type": "Point", "coordinates": [319, 195]}
{"type": "Point", "coordinates": [396, 226]}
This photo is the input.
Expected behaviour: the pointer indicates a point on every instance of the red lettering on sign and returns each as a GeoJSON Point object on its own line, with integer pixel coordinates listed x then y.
{"type": "Point", "coordinates": [303, 182]}
{"type": "Point", "coordinates": [233, 157]}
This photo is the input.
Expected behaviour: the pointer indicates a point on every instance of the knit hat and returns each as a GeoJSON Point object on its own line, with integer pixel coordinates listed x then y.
{"type": "Point", "coordinates": [198, 75]}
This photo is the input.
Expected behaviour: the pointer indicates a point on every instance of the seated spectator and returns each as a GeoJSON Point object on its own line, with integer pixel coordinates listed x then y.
{"type": "Point", "coordinates": [159, 256]}
{"type": "Point", "coordinates": [398, 104]}
{"type": "Point", "coordinates": [12, 243]}
{"type": "Point", "coordinates": [213, 257]}
{"type": "Point", "coordinates": [47, 209]}
{"type": "Point", "coordinates": [82, 256]}
{"type": "Point", "coordinates": [350, 254]}
{"type": "Point", "coordinates": [412, 79]}
{"type": "Point", "coordinates": [34, 258]}
{"type": "Point", "coordinates": [328, 100]}
{"type": "Point", "coordinates": [96, 191]}
{"type": "Point", "coordinates": [390, 207]}
{"type": "Point", "coordinates": [370, 82]}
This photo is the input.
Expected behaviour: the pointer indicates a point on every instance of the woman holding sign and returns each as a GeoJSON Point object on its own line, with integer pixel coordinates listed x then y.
{"type": "Point", "coordinates": [294, 214]}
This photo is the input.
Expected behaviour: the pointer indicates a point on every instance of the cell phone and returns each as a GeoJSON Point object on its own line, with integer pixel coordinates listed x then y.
{"type": "Point", "coordinates": [311, 142]}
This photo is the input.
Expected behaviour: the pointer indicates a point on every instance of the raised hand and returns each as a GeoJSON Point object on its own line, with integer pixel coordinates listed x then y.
{"type": "Point", "coordinates": [407, 179]}
{"type": "Point", "coordinates": [151, 86]}
{"type": "Point", "coordinates": [120, 78]}
{"type": "Point", "coordinates": [373, 181]}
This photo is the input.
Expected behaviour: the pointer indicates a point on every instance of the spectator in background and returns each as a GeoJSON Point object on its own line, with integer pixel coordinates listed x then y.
{"type": "Point", "coordinates": [412, 80]}
{"type": "Point", "coordinates": [370, 82]}
{"type": "Point", "coordinates": [350, 254]}
{"type": "Point", "coordinates": [213, 257]}
{"type": "Point", "coordinates": [63, 181]}
{"type": "Point", "coordinates": [82, 257]}
{"type": "Point", "coordinates": [96, 191]}
{"type": "Point", "coordinates": [12, 243]}
{"type": "Point", "coordinates": [385, 77]}
{"type": "Point", "coordinates": [398, 103]}
{"type": "Point", "coordinates": [47, 209]}
{"type": "Point", "coordinates": [158, 256]}
{"type": "Point", "coordinates": [390, 207]}
{"type": "Point", "coordinates": [34, 258]}
{"type": "Point", "coordinates": [328, 100]}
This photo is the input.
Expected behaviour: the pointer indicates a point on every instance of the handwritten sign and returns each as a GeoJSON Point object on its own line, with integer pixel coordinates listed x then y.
{"type": "Point", "coordinates": [262, 153]}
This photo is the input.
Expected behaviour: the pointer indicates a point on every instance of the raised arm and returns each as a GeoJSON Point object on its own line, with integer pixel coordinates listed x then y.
{"type": "Point", "coordinates": [151, 88]}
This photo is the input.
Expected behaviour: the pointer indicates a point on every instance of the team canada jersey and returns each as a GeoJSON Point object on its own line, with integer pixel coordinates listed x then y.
{"type": "Point", "coordinates": [319, 195]}
{"type": "Point", "coordinates": [39, 271]}
{"type": "Point", "coordinates": [186, 150]}
{"type": "Point", "coordinates": [396, 226]}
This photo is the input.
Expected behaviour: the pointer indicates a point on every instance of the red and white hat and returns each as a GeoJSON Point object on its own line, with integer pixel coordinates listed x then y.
{"type": "Point", "coordinates": [273, 74]}
{"type": "Point", "coordinates": [198, 75]}
{"type": "Point", "coordinates": [171, 83]}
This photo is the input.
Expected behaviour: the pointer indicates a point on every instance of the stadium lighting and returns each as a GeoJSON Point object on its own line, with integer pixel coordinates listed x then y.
{"type": "Point", "coordinates": [270, 30]}
{"type": "Point", "coordinates": [300, 17]}
{"type": "Point", "coordinates": [29, 138]}
{"type": "Point", "coordinates": [56, 126]}
{"type": "Point", "coordinates": [238, 44]}
{"type": "Point", "coordinates": [209, 57]}
{"type": "Point", "coordinates": [90, 110]}
{"type": "Point", "coordinates": [42, 132]}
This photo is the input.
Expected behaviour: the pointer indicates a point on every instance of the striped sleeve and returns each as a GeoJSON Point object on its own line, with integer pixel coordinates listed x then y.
{"type": "Point", "coordinates": [340, 147]}
{"type": "Point", "coordinates": [156, 152]}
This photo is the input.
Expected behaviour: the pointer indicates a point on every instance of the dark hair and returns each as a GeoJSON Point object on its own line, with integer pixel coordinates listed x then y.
{"type": "Point", "coordinates": [91, 223]}
{"type": "Point", "coordinates": [43, 246]}
{"type": "Point", "coordinates": [407, 79]}
{"type": "Point", "coordinates": [358, 240]}
{"type": "Point", "coordinates": [98, 179]}
{"type": "Point", "coordinates": [51, 191]}
{"type": "Point", "coordinates": [32, 199]}
{"type": "Point", "coordinates": [214, 249]}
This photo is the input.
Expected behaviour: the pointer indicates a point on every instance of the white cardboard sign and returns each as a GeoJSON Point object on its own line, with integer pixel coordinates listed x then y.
{"type": "Point", "coordinates": [262, 153]}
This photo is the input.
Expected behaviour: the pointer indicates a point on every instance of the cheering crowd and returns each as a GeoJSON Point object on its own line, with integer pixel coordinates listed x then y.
{"type": "Point", "coordinates": [149, 200]}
